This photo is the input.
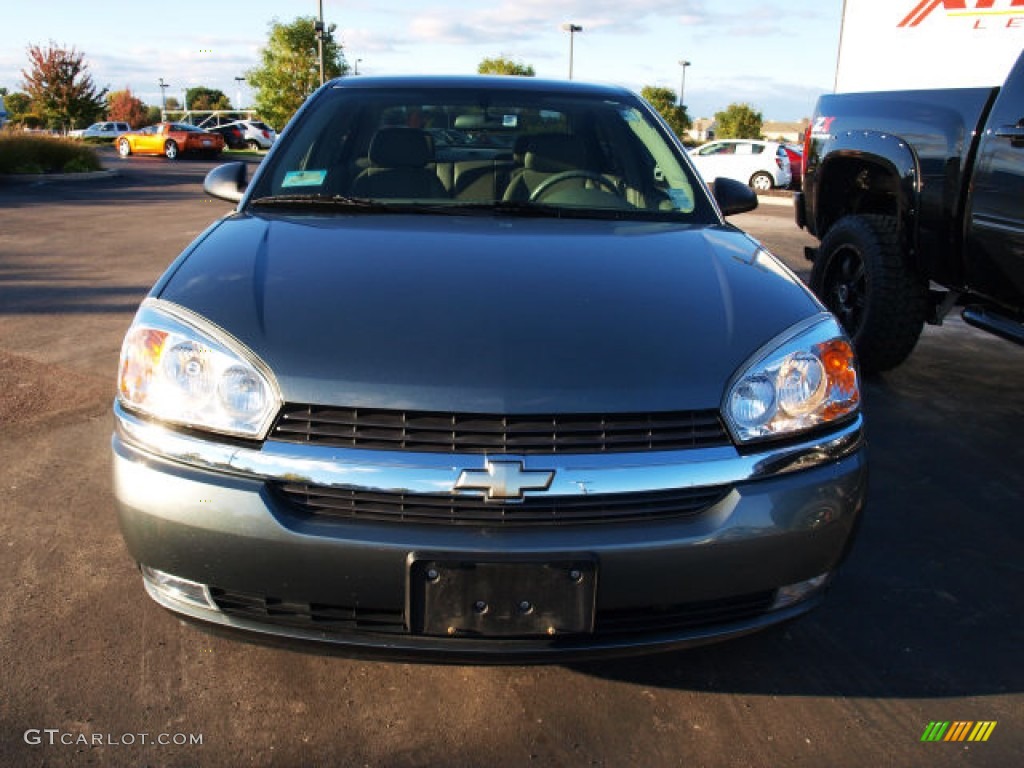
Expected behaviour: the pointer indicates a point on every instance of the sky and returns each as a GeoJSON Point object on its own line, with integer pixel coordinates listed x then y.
{"type": "Point", "coordinates": [776, 55]}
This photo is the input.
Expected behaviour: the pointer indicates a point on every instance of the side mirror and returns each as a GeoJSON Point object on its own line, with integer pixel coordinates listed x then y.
{"type": "Point", "coordinates": [733, 196]}
{"type": "Point", "coordinates": [228, 181]}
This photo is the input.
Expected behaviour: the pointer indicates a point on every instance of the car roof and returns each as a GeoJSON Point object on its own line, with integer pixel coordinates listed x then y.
{"type": "Point", "coordinates": [476, 82]}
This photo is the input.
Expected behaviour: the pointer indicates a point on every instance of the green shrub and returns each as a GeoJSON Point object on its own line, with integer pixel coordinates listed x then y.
{"type": "Point", "coordinates": [28, 167]}
{"type": "Point", "coordinates": [25, 153]}
{"type": "Point", "coordinates": [82, 164]}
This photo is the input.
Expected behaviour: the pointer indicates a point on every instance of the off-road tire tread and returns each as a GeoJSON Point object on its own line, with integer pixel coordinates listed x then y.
{"type": "Point", "coordinates": [897, 297]}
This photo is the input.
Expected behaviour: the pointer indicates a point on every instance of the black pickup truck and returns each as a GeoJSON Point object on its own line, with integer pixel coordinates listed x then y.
{"type": "Point", "coordinates": [917, 198]}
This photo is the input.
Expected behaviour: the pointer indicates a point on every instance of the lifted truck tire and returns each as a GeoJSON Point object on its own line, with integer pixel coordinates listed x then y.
{"type": "Point", "coordinates": [861, 275]}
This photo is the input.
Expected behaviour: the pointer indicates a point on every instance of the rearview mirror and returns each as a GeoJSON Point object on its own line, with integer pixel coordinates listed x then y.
{"type": "Point", "coordinates": [228, 181]}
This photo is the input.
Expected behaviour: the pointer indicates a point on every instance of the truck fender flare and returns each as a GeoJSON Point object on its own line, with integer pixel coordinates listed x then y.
{"type": "Point", "coordinates": [893, 156]}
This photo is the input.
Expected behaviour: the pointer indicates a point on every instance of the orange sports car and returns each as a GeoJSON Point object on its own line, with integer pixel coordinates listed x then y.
{"type": "Point", "coordinates": [169, 140]}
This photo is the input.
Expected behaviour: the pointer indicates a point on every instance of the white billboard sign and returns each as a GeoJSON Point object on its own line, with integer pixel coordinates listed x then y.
{"type": "Point", "coordinates": [902, 44]}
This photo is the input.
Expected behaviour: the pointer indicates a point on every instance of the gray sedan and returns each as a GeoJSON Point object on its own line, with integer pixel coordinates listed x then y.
{"type": "Point", "coordinates": [519, 396]}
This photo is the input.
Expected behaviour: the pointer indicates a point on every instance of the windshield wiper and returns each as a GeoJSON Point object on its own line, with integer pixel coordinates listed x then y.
{"type": "Point", "coordinates": [510, 207]}
{"type": "Point", "coordinates": [520, 208]}
{"type": "Point", "coordinates": [529, 209]}
{"type": "Point", "coordinates": [334, 201]}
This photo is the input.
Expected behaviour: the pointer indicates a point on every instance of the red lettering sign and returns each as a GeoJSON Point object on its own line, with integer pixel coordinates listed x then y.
{"type": "Point", "coordinates": [924, 8]}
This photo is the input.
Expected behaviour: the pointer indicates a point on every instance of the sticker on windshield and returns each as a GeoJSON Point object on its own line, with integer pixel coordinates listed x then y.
{"type": "Point", "coordinates": [304, 178]}
{"type": "Point", "coordinates": [681, 199]}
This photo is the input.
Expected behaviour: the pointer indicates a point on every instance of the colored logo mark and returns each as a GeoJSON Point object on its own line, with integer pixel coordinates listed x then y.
{"type": "Point", "coordinates": [959, 730]}
{"type": "Point", "coordinates": [925, 7]}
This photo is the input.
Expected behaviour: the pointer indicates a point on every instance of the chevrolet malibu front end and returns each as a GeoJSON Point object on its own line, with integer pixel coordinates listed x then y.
{"type": "Point", "coordinates": [476, 371]}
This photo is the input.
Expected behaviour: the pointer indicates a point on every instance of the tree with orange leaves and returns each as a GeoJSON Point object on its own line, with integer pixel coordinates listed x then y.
{"type": "Point", "coordinates": [125, 108]}
{"type": "Point", "coordinates": [60, 87]}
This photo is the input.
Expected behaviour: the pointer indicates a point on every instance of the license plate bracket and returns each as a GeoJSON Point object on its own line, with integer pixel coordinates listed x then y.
{"type": "Point", "coordinates": [468, 598]}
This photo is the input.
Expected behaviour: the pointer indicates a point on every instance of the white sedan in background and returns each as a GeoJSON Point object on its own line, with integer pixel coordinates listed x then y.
{"type": "Point", "coordinates": [761, 164]}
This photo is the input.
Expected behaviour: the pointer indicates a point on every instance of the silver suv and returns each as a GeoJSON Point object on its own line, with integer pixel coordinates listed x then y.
{"type": "Point", "coordinates": [108, 130]}
{"type": "Point", "coordinates": [257, 134]}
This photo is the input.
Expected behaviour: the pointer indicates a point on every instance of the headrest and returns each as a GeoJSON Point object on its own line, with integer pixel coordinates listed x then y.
{"type": "Point", "coordinates": [520, 147]}
{"type": "Point", "coordinates": [554, 153]}
{"type": "Point", "coordinates": [400, 148]}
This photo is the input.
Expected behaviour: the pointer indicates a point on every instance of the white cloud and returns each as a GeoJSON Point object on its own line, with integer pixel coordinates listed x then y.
{"type": "Point", "coordinates": [358, 42]}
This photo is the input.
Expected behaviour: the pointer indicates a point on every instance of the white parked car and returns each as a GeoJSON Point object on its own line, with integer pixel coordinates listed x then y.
{"type": "Point", "coordinates": [107, 130]}
{"type": "Point", "coordinates": [257, 134]}
{"type": "Point", "coordinates": [761, 164]}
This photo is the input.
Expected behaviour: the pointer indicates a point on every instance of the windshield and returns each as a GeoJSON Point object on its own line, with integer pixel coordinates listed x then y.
{"type": "Point", "coordinates": [462, 148]}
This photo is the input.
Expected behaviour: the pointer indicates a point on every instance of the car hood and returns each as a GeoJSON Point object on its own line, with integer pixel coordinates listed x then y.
{"type": "Point", "coordinates": [490, 315]}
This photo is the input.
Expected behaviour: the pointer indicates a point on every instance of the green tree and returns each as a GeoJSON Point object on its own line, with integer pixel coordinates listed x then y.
{"type": "Point", "coordinates": [504, 65]}
{"type": "Point", "coordinates": [173, 103]}
{"type": "Point", "coordinates": [18, 106]}
{"type": "Point", "coordinates": [290, 71]}
{"type": "Point", "coordinates": [664, 100]}
{"type": "Point", "coordinates": [202, 97]}
{"type": "Point", "coordinates": [124, 107]}
{"type": "Point", "coordinates": [738, 121]}
{"type": "Point", "coordinates": [152, 115]}
{"type": "Point", "coordinates": [60, 87]}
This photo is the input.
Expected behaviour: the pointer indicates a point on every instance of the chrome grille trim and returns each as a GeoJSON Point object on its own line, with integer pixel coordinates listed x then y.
{"type": "Point", "coordinates": [405, 472]}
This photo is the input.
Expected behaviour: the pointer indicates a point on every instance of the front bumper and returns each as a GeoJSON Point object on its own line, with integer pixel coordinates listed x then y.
{"type": "Point", "coordinates": [209, 513]}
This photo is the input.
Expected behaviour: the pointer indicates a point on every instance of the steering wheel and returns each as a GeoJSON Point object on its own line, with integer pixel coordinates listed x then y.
{"type": "Point", "coordinates": [545, 186]}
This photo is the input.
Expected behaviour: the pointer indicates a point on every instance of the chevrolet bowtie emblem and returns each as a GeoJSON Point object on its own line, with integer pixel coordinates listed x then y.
{"type": "Point", "coordinates": [504, 480]}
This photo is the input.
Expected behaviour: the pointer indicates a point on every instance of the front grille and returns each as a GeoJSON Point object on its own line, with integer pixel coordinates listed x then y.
{"type": "Point", "coordinates": [433, 432]}
{"type": "Point", "coordinates": [331, 619]}
{"type": "Point", "coordinates": [451, 509]}
{"type": "Point", "coordinates": [314, 616]}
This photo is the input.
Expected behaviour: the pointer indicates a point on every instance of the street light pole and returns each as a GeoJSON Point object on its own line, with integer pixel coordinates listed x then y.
{"type": "Point", "coordinates": [239, 80]}
{"type": "Point", "coordinates": [682, 83]}
{"type": "Point", "coordinates": [357, 66]}
{"type": "Point", "coordinates": [163, 97]}
{"type": "Point", "coordinates": [572, 29]}
{"type": "Point", "coordinates": [319, 27]}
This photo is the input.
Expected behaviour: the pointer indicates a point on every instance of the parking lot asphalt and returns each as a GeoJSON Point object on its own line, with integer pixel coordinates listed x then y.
{"type": "Point", "coordinates": [923, 624]}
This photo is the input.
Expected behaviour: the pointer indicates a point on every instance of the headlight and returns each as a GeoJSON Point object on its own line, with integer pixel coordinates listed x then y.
{"type": "Point", "coordinates": [803, 379]}
{"type": "Point", "coordinates": [178, 368]}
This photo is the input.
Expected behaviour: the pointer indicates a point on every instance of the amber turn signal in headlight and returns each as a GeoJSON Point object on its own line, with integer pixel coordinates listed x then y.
{"type": "Point", "coordinates": [804, 379]}
{"type": "Point", "coordinates": [180, 369]}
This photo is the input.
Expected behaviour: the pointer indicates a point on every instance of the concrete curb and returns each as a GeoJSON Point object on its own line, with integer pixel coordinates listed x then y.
{"type": "Point", "coordinates": [775, 200]}
{"type": "Point", "coordinates": [43, 178]}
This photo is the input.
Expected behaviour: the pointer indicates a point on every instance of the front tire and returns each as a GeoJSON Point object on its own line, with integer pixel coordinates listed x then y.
{"type": "Point", "coordinates": [862, 276]}
{"type": "Point", "coordinates": [761, 182]}
{"type": "Point", "coordinates": [124, 148]}
{"type": "Point", "coordinates": [171, 150]}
